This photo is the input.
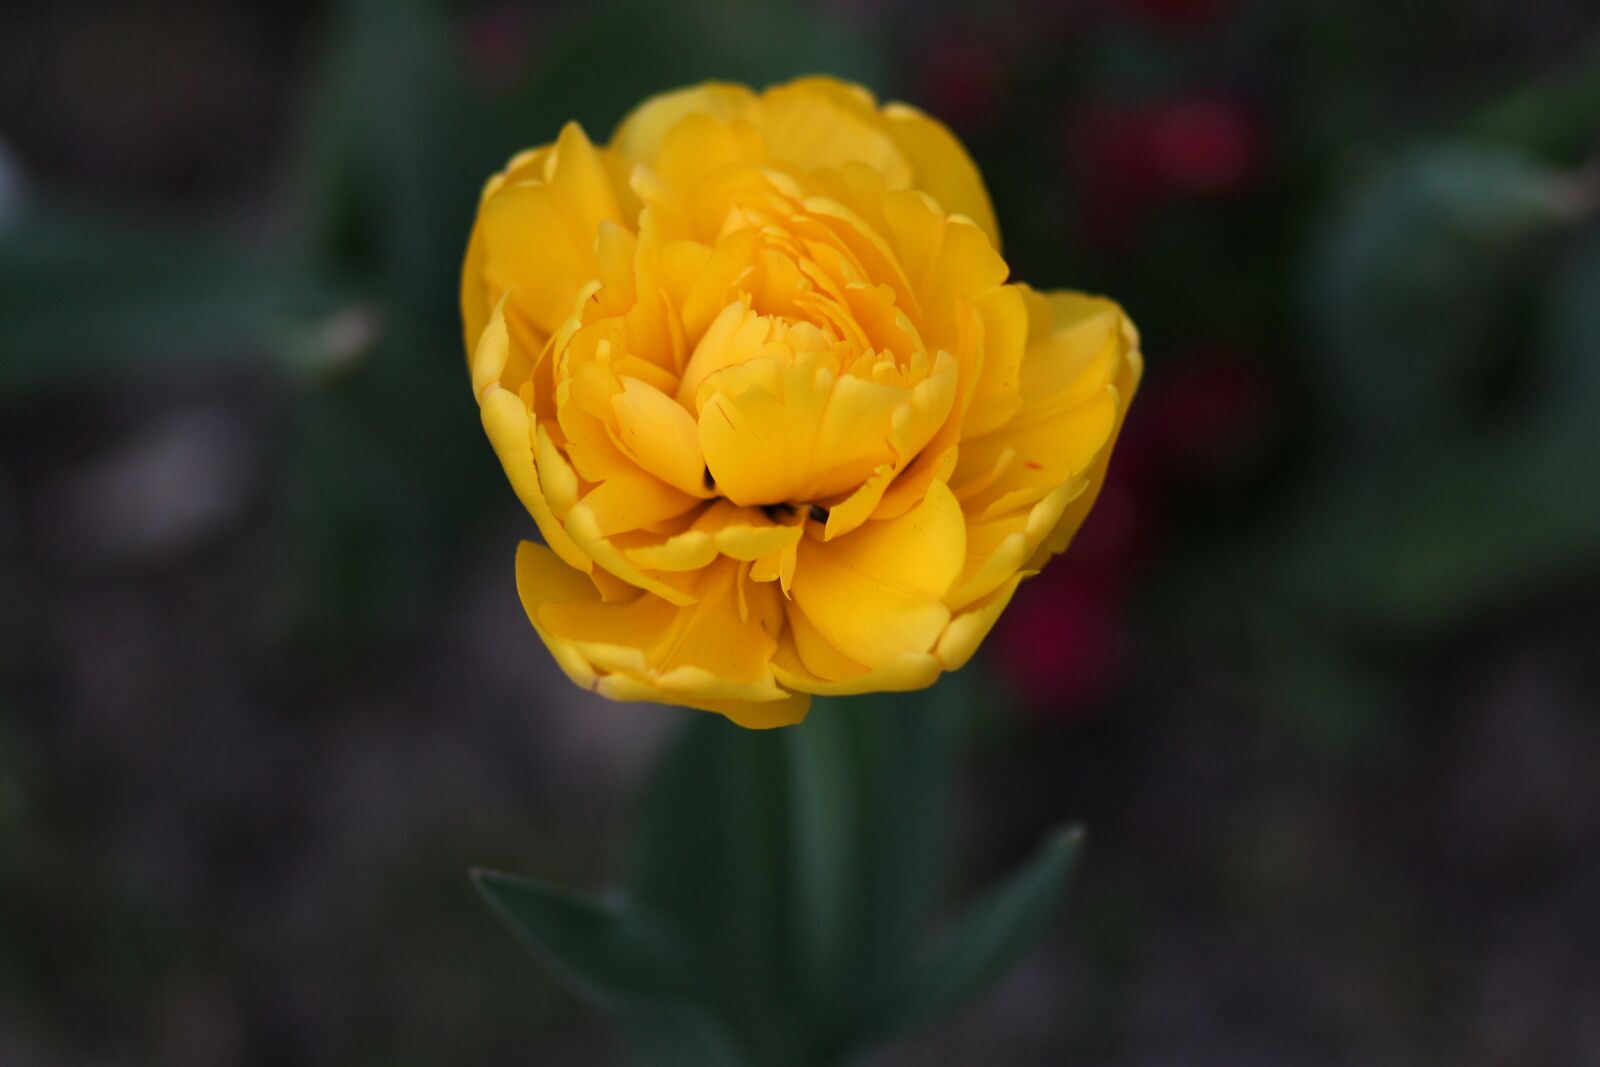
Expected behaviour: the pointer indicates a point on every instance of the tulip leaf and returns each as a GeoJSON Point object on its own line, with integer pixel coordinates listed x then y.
{"type": "Point", "coordinates": [86, 298]}
{"type": "Point", "coordinates": [391, 152]}
{"type": "Point", "coordinates": [1453, 527]}
{"type": "Point", "coordinates": [995, 933]}
{"type": "Point", "coordinates": [628, 964]}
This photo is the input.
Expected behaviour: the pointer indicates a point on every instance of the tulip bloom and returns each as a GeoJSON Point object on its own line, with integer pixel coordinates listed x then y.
{"type": "Point", "coordinates": [756, 371]}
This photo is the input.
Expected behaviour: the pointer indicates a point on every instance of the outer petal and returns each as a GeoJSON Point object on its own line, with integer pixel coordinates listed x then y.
{"type": "Point", "coordinates": [511, 429]}
{"type": "Point", "coordinates": [561, 602]}
{"type": "Point", "coordinates": [819, 122]}
{"type": "Point", "coordinates": [1129, 372]}
{"type": "Point", "coordinates": [807, 662]}
{"type": "Point", "coordinates": [1070, 405]}
{"type": "Point", "coordinates": [943, 168]}
{"type": "Point", "coordinates": [639, 136]}
{"type": "Point", "coordinates": [967, 630]}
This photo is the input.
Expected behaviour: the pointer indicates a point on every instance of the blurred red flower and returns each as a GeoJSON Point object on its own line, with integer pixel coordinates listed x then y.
{"type": "Point", "coordinates": [1132, 157]}
{"type": "Point", "coordinates": [1204, 418]}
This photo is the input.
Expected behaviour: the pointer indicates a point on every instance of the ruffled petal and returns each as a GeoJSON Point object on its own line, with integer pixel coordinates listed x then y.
{"type": "Point", "coordinates": [549, 589]}
{"type": "Point", "coordinates": [511, 428]}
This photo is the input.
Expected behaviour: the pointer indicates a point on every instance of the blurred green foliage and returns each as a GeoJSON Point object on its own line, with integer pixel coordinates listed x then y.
{"type": "Point", "coordinates": [780, 887]}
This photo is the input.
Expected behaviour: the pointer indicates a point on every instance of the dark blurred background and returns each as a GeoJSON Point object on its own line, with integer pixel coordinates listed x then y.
{"type": "Point", "coordinates": [1320, 674]}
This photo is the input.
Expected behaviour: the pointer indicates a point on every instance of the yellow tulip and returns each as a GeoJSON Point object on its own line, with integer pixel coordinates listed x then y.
{"type": "Point", "coordinates": [756, 371]}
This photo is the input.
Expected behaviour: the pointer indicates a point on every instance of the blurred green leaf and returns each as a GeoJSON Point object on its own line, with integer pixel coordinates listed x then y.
{"type": "Point", "coordinates": [628, 964]}
{"type": "Point", "coordinates": [392, 152]}
{"type": "Point", "coordinates": [796, 869]}
{"type": "Point", "coordinates": [87, 299]}
{"type": "Point", "coordinates": [1457, 524]}
{"type": "Point", "coordinates": [1415, 287]}
{"type": "Point", "coordinates": [1431, 540]}
{"type": "Point", "coordinates": [995, 933]}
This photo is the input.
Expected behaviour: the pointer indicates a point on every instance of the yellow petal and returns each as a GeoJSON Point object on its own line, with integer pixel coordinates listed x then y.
{"type": "Point", "coordinates": [509, 426]}
{"type": "Point", "coordinates": [530, 249]}
{"type": "Point", "coordinates": [546, 585]}
{"type": "Point", "coordinates": [581, 182]}
{"type": "Point", "coordinates": [876, 593]}
{"type": "Point", "coordinates": [825, 671]}
{"type": "Point", "coordinates": [773, 434]}
{"type": "Point", "coordinates": [750, 714]}
{"type": "Point", "coordinates": [943, 168]}
{"type": "Point", "coordinates": [735, 336]}
{"type": "Point", "coordinates": [1127, 383]}
{"type": "Point", "coordinates": [812, 124]}
{"type": "Point", "coordinates": [660, 436]}
{"type": "Point", "coordinates": [998, 547]}
{"type": "Point", "coordinates": [916, 423]}
{"type": "Point", "coordinates": [638, 138]}
{"type": "Point", "coordinates": [967, 630]}
{"type": "Point", "coordinates": [703, 649]}
{"type": "Point", "coordinates": [543, 579]}
{"type": "Point", "coordinates": [998, 394]}
{"type": "Point", "coordinates": [740, 533]}
{"type": "Point", "coordinates": [1069, 411]}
